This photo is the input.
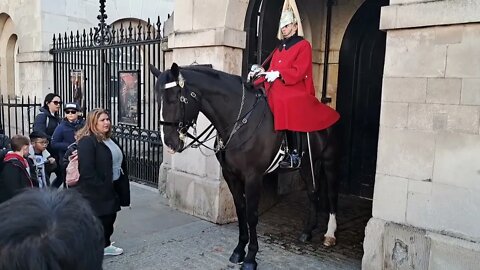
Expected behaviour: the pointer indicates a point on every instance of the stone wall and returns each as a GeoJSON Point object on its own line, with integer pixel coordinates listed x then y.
{"type": "Point", "coordinates": [429, 145]}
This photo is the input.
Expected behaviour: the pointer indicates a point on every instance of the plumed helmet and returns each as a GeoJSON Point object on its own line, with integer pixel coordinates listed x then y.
{"type": "Point", "coordinates": [290, 15]}
{"type": "Point", "coordinates": [287, 18]}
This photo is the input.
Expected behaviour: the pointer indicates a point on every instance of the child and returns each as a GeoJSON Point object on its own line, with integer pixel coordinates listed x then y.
{"type": "Point", "coordinates": [16, 174]}
{"type": "Point", "coordinates": [42, 160]}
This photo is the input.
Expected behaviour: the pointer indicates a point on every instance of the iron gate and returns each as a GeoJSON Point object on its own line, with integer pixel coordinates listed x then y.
{"type": "Point", "coordinates": [17, 114]}
{"type": "Point", "coordinates": [87, 69]}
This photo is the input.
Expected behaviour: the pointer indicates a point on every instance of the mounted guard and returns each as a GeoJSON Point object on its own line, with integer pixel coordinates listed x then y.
{"type": "Point", "coordinates": [248, 139]}
{"type": "Point", "coordinates": [289, 87]}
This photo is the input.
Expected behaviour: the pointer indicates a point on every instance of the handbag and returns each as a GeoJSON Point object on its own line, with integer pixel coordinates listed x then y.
{"type": "Point", "coordinates": [72, 174]}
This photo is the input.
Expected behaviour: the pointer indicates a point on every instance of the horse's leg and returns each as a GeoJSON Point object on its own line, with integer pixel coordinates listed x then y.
{"type": "Point", "coordinates": [311, 220]}
{"type": "Point", "coordinates": [236, 187]}
{"type": "Point", "coordinates": [253, 189]}
{"type": "Point", "coordinates": [330, 172]}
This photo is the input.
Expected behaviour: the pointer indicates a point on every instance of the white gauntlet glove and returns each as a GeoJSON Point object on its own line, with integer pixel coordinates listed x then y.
{"type": "Point", "coordinates": [271, 75]}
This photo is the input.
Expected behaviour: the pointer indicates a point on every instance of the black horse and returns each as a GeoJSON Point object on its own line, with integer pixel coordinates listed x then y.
{"type": "Point", "coordinates": [246, 144]}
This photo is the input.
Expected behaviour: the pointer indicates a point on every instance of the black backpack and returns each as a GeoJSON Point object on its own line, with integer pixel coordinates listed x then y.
{"type": "Point", "coordinates": [3, 153]}
{"type": "Point", "coordinates": [4, 148]}
{"type": "Point", "coordinates": [4, 142]}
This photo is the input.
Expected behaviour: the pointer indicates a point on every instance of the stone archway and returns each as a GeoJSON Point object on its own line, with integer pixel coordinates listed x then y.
{"type": "Point", "coordinates": [8, 45]}
{"type": "Point", "coordinates": [11, 67]}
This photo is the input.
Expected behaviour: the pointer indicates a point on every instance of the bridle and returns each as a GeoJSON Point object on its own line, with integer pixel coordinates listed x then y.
{"type": "Point", "coordinates": [189, 115]}
{"type": "Point", "coordinates": [191, 111]}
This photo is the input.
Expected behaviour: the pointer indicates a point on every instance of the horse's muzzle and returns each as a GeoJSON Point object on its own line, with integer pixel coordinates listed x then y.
{"type": "Point", "coordinates": [170, 149]}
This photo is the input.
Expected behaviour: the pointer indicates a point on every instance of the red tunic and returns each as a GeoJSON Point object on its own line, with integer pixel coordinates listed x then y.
{"type": "Point", "coordinates": [292, 96]}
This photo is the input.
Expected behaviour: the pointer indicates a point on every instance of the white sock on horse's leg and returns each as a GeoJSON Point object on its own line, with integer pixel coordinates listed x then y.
{"type": "Point", "coordinates": [332, 226]}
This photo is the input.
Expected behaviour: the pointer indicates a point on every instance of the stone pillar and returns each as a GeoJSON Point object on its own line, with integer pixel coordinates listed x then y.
{"type": "Point", "coordinates": [205, 32]}
{"type": "Point", "coordinates": [425, 208]}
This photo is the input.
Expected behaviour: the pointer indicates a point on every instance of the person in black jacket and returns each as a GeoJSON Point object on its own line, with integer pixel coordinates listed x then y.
{"type": "Point", "coordinates": [103, 173]}
{"type": "Point", "coordinates": [47, 121]}
{"type": "Point", "coordinates": [17, 172]}
{"type": "Point", "coordinates": [64, 135]}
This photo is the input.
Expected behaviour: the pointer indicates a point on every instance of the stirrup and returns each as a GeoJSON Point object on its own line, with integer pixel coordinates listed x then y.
{"type": "Point", "coordinates": [291, 161]}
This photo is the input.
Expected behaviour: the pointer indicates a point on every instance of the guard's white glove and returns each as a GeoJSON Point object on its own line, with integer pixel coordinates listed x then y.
{"type": "Point", "coordinates": [271, 76]}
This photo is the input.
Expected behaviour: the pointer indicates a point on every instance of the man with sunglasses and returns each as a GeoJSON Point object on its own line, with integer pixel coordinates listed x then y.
{"type": "Point", "coordinates": [64, 135]}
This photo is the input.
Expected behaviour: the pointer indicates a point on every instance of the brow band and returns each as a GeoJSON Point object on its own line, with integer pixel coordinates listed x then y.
{"type": "Point", "coordinates": [170, 85]}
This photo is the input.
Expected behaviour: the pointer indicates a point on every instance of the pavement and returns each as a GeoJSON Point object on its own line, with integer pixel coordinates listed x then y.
{"type": "Point", "coordinates": [155, 236]}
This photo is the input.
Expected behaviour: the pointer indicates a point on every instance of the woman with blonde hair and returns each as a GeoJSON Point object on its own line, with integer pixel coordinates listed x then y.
{"type": "Point", "coordinates": [103, 174]}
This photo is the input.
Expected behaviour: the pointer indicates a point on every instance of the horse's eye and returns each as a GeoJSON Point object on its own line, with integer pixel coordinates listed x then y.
{"type": "Point", "coordinates": [170, 97]}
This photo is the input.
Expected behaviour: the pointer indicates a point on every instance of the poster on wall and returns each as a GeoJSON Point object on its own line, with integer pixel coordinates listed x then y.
{"type": "Point", "coordinates": [129, 97]}
{"type": "Point", "coordinates": [77, 87]}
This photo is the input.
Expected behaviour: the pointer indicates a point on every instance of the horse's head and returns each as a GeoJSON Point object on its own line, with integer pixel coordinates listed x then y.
{"type": "Point", "coordinates": [179, 106]}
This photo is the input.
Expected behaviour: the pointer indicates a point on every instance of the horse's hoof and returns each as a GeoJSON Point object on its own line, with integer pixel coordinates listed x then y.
{"type": "Point", "coordinates": [237, 257]}
{"type": "Point", "coordinates": [329, 241]}
{"type": "Point", "coordinates": [249, 266]}
{"type": "Point", "coordinates": [305, 237]}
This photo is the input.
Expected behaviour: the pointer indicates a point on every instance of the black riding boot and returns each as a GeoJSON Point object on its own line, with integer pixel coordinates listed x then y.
{"type": "Point", "coordinates": [293, 155]}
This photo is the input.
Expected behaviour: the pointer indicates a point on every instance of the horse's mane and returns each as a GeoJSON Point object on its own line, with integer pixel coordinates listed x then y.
{"type": "Point", "coordinates": [207, 69]}
{"type": "Point", "coordinates": [217, 74]}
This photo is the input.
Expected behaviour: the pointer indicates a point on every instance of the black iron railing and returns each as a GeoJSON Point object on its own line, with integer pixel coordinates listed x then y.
{"type": "Point", "coordinates": [17, 114]}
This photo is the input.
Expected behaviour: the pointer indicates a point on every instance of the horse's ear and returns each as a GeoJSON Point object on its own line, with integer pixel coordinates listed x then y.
{"type": "Point", "coordinates": [175, 70]}
{"type": "Point", "coordinates": [155, 71]}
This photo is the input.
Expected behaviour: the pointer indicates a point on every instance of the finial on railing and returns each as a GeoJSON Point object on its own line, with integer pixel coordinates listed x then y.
{"type": "Point", "coordinates": [103, 34]}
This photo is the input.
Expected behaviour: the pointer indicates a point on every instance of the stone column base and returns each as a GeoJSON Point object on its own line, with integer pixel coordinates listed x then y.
{"type": "Point", "coordinates": [209, 199]}
{"type": "Point", "coordinates": [392, 246]}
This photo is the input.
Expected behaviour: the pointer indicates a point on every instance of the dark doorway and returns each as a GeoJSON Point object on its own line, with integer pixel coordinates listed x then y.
{"type": "Point", "coordinates": [361, 63]}
{"type": "Point", "coordinates": [261, 25]}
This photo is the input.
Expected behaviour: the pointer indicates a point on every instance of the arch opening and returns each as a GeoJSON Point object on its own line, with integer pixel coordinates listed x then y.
{"type": "Point", "coordinates": [361, 62]}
